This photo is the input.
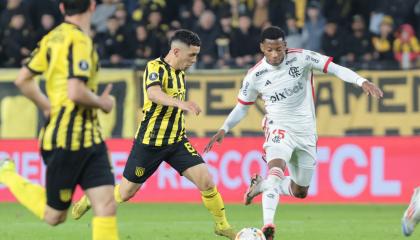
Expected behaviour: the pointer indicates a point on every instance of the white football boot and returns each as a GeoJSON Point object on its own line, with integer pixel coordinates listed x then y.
{"type": "Point", "coordinates": [412, 215]}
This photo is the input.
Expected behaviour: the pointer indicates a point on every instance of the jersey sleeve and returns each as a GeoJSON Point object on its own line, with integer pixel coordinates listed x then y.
{"type": "Point", "coordinates": [37, 62]}
{"type": "Point", "coordinates": [316, 60]}
{"type": "Point", "coordinates": [153, 75]}
{"type": "Point", "coordinates": [247, 94]}
{"type": "Point", "coordinates": [80, 60]}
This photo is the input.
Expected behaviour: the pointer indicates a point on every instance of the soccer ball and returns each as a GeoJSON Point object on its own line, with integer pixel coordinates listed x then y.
{"type": "Point", "coordinates": [250, 233]}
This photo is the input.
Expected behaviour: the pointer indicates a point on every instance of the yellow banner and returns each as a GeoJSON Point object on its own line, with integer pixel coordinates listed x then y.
{"type": "Point", "coordinates": [342, 108]}
{"type": "Point", "coordinates": [19, 117]}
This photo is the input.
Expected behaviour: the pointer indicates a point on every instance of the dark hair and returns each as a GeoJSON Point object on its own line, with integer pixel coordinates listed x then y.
{"type": "Point", "coordinates": [73, 7]}
{"type": "Point", "coordinates": [272, 33]}
{"type": "Point", "coordinates": [186, 36]}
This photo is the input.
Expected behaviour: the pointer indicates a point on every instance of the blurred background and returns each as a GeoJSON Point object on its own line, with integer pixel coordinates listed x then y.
{"type": "Point", "coordinates": [368, 150]}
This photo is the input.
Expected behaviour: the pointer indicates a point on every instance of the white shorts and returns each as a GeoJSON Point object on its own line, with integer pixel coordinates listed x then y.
{"type": "Point", "coordinates": [299, 152]}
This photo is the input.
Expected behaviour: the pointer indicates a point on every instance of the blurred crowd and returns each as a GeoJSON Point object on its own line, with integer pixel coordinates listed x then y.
{"type": "Point", "coordinates": [363, 34]}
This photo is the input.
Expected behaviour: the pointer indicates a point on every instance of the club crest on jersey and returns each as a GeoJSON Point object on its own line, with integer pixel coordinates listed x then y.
{"type": "Point", "coordinates": [294, 72]}
{"type": "Point", "coordinates": [153, 76]}
{"type": "Point", "coordinates": [139, 171]}
{"type": "Point", "coordinates": [65, 195]}
{"type": "Point", "coordinates": [83, 65]}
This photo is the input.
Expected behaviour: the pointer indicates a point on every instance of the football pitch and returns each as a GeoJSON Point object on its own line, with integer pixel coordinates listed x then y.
{"type": "Point", "coordinates": [192, 221]}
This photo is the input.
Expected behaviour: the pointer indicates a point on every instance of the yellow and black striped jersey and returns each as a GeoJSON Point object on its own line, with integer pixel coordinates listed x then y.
{"type": "Point", "coordinates": [162, 125]}
{"type": "Point", "coordinates": [66, 52]}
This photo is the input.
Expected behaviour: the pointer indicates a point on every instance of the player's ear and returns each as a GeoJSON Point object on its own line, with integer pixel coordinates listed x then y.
{"type": "Point", "coordinates": [262, 47]}
{"type": "Point", "coordinates": [92, 5]}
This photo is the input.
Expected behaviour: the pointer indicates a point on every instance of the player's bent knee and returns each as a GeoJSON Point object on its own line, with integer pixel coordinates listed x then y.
{"type": "Point", "coordinates": [54, 220]}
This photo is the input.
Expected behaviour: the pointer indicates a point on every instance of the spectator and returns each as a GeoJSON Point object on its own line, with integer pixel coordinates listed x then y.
{"type": "Point", "coordinates": [261, 13]}
{"type": "Point", "coordinates": [144, 45]}
{"type": "Point", "coordinates": [112, 43]}
{"type": "Point", "coordinates": [333, 41]}
{"type": "Point", "coordinates": [13, 7]}
{"type": "Point", "coordinates": [359, 45]}
{"type": "Point", "coordinates": [223, 41]}
{"type": "Point", "coordinates": [208, 34]}
{"type": "Point", "coordinates": [157, 28]}
{"type": "Point", "coordinates": [17, 41]}
{"type": "Point", "coordinates": [47, 23]}
{"type": "Point", "coordinates": [406, 46]}
{"type": "Point", "coordinates": [244, 42]}
{"type": "Point", "coordinates": [103, 11]}
{"type": "Point", "coordinates": [314, 27]}
{"type": "Point", "coordinates": [382, 43]}
{"type": "Point", "coordinates": [189, 17]}
{"type": "Point", "coordinates": [294, 36]}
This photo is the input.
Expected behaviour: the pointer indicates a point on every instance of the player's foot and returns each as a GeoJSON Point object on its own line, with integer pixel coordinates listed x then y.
{"type": "Point", "coordinates": [269, 230]}
{"type": "Point", "coordinates": [412, 215]}
{"type": "Point", "coordinates": [254, 189]}
{"type": "Point", "coordinates": [80, 208]}
{"type": "Point", "coordinates": [225, 231]}
{"type": "Point", "coordinates": [6, 165]}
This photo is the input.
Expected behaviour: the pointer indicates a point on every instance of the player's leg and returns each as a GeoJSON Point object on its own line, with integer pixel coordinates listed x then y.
{"type": "Point", "coordinates": [141, 164]}
{"type": "Point", "coordinates": [186, 160]}
{"type": "Point", "coordinates": [411, 215]}
{"type": "Point", "coordinates": [31, 196]}
{"type": "Point", "coordinates": [97, 180]}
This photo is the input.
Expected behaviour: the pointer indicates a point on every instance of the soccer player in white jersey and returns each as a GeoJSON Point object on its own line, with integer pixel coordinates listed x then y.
{"type": "Point", "coordinates": [284, 79]}
{"type": "Point", "coordinates": [411, 215]}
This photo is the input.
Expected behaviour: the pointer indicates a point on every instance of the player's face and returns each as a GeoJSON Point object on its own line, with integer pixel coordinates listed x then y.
{"type": "Point", "coordinates": [188, 56]}
{"type": "Point", "coordinates": [274, 50]}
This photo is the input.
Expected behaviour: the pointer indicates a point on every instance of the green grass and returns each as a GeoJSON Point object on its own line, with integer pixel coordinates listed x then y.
{"type": "Point", "coordinates": [192, 221]}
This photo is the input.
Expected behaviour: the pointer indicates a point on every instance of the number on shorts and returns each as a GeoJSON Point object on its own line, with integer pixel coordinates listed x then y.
{"type": "Point", "coordinates": [190, 149]}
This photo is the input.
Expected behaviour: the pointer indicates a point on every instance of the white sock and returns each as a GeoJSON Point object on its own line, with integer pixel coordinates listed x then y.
{"type": "Point", "coordinates": [270, 196]}
{"type": "Point", "coordinates": [285, 189]}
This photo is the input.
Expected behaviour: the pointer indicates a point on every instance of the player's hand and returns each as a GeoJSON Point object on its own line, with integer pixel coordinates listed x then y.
{"type": "Point", "coordinates": [371, 89]}
{"type": "Point", "coordinates": [218, 137]}
{"type": "Point", "coordinates": [107, 101]}
{"type": "Point", "coordinates": [190, 107]}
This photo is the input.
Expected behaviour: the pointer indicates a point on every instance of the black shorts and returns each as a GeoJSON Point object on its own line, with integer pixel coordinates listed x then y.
{"type": "Point", "coordinates": [88, 167]}
{"type": "Point", "coordinates": [144, 159]}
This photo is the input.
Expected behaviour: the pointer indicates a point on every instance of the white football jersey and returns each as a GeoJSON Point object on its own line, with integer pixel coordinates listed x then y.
{"type": "Point", "coordinates": [287, 89]}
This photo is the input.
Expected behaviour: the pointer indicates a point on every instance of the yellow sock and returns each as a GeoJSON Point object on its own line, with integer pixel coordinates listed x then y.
{"type": "Point", "coordinates": [117, 194]}
{"type": "Point", "coordinates": [104, 228]}
{"type": "Point", "coordinates": [31, 196]}
{"type": "Point", "coordinates": [214, 203]}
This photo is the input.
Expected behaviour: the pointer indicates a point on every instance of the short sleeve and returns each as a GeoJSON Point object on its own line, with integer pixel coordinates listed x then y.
{"type": "Point", "coordinates": [153, 75]}
{"type": "Point", "coordinates": [247, 94]}
{"type": "Point", "coordinates": [37, 62]}
{"type": "Point", "coordinates": [80, 60]}
{"type": "Point", "coordinates": [316, 60]}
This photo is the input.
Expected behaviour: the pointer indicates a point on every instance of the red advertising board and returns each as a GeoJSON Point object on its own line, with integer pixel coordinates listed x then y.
{"type": "Point", "coordinates": [349, 170]}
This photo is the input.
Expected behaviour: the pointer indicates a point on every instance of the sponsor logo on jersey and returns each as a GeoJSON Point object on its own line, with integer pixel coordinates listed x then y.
{"type": "Point", "coordinates": [291, 61]}
{"type": "Point", "coordinates": [313, 59]}
{"type": "Point", "coordinates": [245, 89]}
{"type": "Point", "coordinates": [294, 72]}
{"type": "Point", "coordinates": [267, 83]}
{"type": "Point", "coordinates": [287, 92]}
{"type": "Point", "coordinates": [259, 73]}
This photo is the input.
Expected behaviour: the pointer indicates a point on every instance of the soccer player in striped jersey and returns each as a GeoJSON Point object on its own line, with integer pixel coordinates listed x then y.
{"type": "Point", "coordinates": [161, 134]}
{"type": "Point", "coordinates": [71, 143]}
{"type": "Point", "coordinates": [284, 79]}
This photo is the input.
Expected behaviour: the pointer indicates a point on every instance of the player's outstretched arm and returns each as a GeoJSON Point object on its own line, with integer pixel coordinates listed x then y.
{"type": "Point", "coordinates": [156, 95]}
{"type": "Point", "coordinates": [350, 76]}
{"type": "Point", "coordinates": [237, 114]}
{"type": "Point", "coordinates": [31, 90]}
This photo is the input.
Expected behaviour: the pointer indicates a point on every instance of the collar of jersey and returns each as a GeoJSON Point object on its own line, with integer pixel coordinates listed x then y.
{"type": "Point", "coordinates": [162, 59]}
{"type": "Point", "coordinates": [74, 25]}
